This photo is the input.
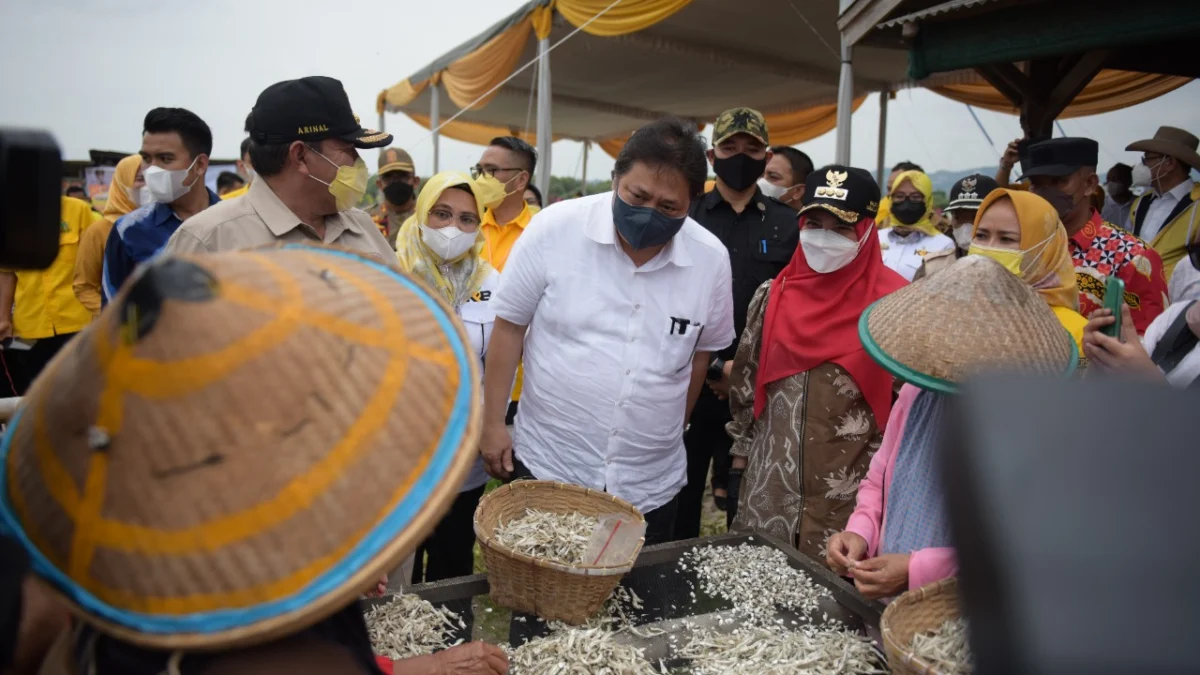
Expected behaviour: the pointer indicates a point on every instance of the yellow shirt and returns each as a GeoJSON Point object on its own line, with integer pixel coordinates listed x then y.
{"type": "Point", "coordinates": [45, 304]}
{"type": "Point", "coordinates": [500, 238]}
{"type": "Point", "coordinates": [1074, 322]}
{"type": "Point", "coordinates": [236, 193]}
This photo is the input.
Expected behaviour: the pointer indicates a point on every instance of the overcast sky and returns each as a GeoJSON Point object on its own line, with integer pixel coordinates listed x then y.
{"type": "Point", "coordinates": [88, 70]}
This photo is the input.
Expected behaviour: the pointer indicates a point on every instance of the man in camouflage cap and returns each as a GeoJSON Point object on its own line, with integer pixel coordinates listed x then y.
{"type": "Point", "coordinates": [760, 233]}
{"type": "Point", "coordinates": [397, 182]}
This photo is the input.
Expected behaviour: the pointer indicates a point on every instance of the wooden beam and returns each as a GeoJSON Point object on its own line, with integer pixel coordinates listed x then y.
{"type": "Point", "coordinates": [1074, 80]}
{"type": "Point", "coordinates": [1008, 80]}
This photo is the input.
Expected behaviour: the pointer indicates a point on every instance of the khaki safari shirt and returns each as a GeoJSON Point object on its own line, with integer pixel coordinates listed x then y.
{"type": "Point", "coordinates": [259, 218]}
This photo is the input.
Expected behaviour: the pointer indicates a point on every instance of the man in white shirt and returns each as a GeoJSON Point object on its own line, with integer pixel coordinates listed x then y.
{"type": "Point", "coordinates": [1164, 217]}
{"type": "Point", "coordinates": [619, 299]}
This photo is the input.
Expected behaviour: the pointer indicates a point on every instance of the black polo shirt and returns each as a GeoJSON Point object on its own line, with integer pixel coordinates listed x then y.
{"type": "Point", "coordinates": [761, 240]}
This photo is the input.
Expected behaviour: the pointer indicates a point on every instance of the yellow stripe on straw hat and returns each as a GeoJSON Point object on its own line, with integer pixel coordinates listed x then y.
{"type": "Point", "coordinates": [240, 445]}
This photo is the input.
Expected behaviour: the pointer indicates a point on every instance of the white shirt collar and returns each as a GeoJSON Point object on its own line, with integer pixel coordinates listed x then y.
{"type": "Point", "coordinates": [1177, 193]}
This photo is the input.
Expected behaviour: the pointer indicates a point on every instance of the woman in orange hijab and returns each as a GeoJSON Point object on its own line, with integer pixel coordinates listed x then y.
{"type": "Point", "coordinates": [1021, 231]}
{"type": "Point", "coordinates": [126, 193]}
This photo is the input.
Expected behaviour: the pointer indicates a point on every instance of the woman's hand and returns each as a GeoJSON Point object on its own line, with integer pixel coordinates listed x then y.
{"type": "Point", "coordinates": [496, 447]}
{"type": "Point", "coordinates": [473, 658]}
{"type": "Point", "coordinates": [844, 551]}
{"type": "Point", "coordinates": [1125, 356]}
{"type": "Point", "coordinates": [883, 576]}
{"type": "Point", "coordinates": [721, 387]}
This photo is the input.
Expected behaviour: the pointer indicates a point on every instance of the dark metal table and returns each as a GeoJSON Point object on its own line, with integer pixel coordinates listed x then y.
{"type": "Point", "coordinates": [665, 590]}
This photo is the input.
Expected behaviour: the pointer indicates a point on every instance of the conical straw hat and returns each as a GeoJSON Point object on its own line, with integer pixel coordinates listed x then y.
{"type": "Point", "coordinates": [241, 445]}
{"type": "Point", "coordinates": [974, 317]}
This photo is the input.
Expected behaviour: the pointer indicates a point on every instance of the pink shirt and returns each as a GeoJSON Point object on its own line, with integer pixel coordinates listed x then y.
{"type": "Point", "coordinates": [868, 520]}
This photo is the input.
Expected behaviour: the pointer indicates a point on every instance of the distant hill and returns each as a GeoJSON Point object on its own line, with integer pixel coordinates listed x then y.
{"type": "Point", "coordinates": [944, 180]}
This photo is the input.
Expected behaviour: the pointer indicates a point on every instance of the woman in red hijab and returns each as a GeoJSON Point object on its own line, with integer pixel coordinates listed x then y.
{"type": "Point", "coordinates": [808, 404]}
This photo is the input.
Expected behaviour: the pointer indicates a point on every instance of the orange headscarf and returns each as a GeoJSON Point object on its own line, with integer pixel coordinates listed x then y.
{"type": "Point", "coordinates": [119, 202]}
{"type": "Point", "coordinates": [1047, 264]}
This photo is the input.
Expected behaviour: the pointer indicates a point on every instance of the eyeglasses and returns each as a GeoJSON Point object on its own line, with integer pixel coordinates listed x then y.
{"type": "Point", "coordinates": [915, 199]}
{"type": "Point", "coordinates": [477, 171]}
{"type": "Point", "coordinates": [469, 221]}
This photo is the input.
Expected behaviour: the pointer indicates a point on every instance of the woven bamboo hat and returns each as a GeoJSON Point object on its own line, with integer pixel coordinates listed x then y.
{"type": "Point", "coordinates": [974, 317]}
{"type": "Point", "coordinates": [240, 445]}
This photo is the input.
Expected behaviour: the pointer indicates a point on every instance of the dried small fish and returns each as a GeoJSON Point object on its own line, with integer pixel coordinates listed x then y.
{"type": "Point", "coordinates": [945, 648]}
{"type": "Point", "coordinates": [740, 574]}
{"type": "Point", "coordinates": [767, 651]}
{"type": "Point", "coordinates": [579, 651]}
{"type": "Point", "coordinates": [560, 537]}
{"type": "Point", "coordinates": [409, 626]}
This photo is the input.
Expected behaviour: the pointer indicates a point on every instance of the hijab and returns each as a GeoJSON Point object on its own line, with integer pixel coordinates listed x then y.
{"type": "Point", "coordinates": [455, 280]}
{"type": "Point", "coordinates": [812, 318]}
{"type": "Point", "coordinates": [1046, 264]}
{"type": "Point", "coordinates": [924, 185]}
{"type": "Point", "coordinates": [119, 202]}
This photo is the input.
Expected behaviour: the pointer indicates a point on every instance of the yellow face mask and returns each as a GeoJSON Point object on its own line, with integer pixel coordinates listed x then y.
{"type": "Point", "coordinates": [1011, 260]}
{"type": "Point", "coordinates": [350, 184]}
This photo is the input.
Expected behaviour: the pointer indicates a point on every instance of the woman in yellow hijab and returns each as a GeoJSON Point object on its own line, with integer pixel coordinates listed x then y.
{"type": "Point", "coordinates": [126, 193]}
{"type": "Point", "coordinates": [912, 235]}
{"type": "Point", "coordinates": [1021, 231]}
{"type": "Point", "coordinates": [441, 244]}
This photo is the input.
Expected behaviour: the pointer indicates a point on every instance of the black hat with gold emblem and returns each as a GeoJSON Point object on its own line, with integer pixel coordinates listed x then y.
{"type": "Point", "coordinates": [847, 192]}
{"type": "Point", "coordinates": [969, 191]}
{"type": "Point", "coordinates": [309, 109]}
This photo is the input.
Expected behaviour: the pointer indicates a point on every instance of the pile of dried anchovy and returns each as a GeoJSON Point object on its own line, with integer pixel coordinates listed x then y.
{"type": "Point", "coordinates": [766, 651]}
{"type": "Point", "coordinates": [756, 579]}
{"type": "Point", "coordinates": [579, 651]}
{"type": "Point", "coordinates": [409, 626]}
{"type": "Point", "coordinates": [945, 648]}
{"type": "Point", "coordinates": [560, 537]}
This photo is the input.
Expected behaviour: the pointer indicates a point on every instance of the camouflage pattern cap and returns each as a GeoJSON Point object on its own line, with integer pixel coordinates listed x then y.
{"type": "Point", "coordinates": [740, 121]}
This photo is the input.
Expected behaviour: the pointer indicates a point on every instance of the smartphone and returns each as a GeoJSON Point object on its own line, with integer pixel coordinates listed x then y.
{"type": "Point", "coordinates": [1114, 297]}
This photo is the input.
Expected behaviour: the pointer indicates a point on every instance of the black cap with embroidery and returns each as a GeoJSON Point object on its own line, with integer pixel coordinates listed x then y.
{"type": "Point", "coordinates": [847, 192]}
{"type": "Point", "coordinates": [1060, 157]}
{"type": "Point", "coordinates": [969, 191]}
{"type": "Point", "coordinates": [309, 109]}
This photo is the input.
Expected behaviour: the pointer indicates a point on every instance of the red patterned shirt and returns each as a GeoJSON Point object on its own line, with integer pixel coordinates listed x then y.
{"type": "Point", "coordinates": [1101, 249]}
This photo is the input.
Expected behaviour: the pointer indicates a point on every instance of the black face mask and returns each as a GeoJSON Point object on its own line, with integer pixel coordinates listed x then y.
{"type": "Point", "coordinates": [908, 212]}
{"type": "Point", "coordinates": [1062, 202]}
{"type": "Point", "coordinates": [398, 192]}
{"type": "Point", "coordinates": [739, 171]}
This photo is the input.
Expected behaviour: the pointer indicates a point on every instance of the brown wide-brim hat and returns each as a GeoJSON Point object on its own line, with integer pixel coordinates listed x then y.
{"type": "Point", "coordinates": [971, 318]}
{"type": "Point", "coordinates": [1172, 142]}
{"type": "Point", "coordinates": [240, 445]}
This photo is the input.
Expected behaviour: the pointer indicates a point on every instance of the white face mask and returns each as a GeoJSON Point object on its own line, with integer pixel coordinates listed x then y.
{"type": "Point", "coordinates": [167, 186]}
{"type": "Point", "coordinates": [772, 190]}
{"type": "Point", "coordinates": [1141, 175]}
{"type": "Point", "coordinates": [827, 251]}
{"type": "Point", "coordinates": [139, 196]}
{"type": "Point", "coordinates": [448, 243]}
{"type": "Point", "coordinates": [962, 234]}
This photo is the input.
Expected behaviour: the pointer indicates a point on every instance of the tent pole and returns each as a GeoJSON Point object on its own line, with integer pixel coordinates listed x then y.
{"type": "Point", "coordinates": [845, 103]}
{"type": "Point", "coordinates": [880, 164]}
{"type": "Point", "coordinates": [583, 188]}
{"type": "Point", "coordinates": [544, 134]}
{"type": "Point", "coordinates": [382, 121]}
{"type": "Point", "coordinates": [435, 118]}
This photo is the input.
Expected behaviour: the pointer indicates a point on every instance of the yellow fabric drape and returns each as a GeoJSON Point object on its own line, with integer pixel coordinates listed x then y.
{"type": "Point", "coordinates": [804, 125]}
{"type": "Point", "coordinates": [399, 94]}
{"type": "Point", "coordinates": [612, 147]}
{"type": "Point", "coordinates": [473, 75]}
{"type": "Point", "coordinates": [628, 17]}
{"type": "Point", "coordinates": [1109, 90]}
{"type": "Point", "coordinates": [474, 132]}
{"type": "Point", "coordinates": [543, 21]}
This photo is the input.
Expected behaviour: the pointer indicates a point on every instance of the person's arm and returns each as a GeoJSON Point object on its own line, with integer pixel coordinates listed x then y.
{"type": "Point", "coordinates": [931, 564]}
{"type": "Point", "coordinates": [1126, 355]}
{"type": "Point", "coordinates": [517, 297]}
{"type": "Point", "coordinates": [118, 264]}
{"type": "Point", "coordinates": [89, 268]}
{"type": "Point", "coordinates": [700, 363]}
{"type": "Point", "coordinates": [1150, 291]}
{"type": "Point", "coordinates": [504, 353]}
{"type": "Point", "coordinates": [8, 291]}
{"type": "Point", "coordinates": [743, 376]}
{"type": "Point", "coordinates": [1007, 161]}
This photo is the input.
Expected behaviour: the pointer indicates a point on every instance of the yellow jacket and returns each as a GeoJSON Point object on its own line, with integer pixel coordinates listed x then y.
{"type": "Point", "coordinates": [1171, 241]}
{"type": "Point", "coordinates": [45, 304]}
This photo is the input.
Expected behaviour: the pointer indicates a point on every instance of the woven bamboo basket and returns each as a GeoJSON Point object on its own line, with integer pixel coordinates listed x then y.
{"type": "Point", "coordinates": [917, 611]}
{"type": "Point", "coordinates": [551, 590]}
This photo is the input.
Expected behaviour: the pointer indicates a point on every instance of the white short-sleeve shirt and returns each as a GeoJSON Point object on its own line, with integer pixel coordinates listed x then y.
{"type": "Point", "coordinates": [609, 348]}
{"type": "Point", "coordinates": [477, 318]}
{"type": "Point", "coordinates": [905, 254]}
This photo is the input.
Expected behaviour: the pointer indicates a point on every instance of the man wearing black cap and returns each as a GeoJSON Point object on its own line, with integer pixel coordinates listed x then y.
{"type": "Point", "coordinates": [1063, 172]}
{"type": "Point", "coordinates": [304, 142]}
{"type": "Point", "coordinates": [965, 198]}
{"type": "Point", "coordinates": [397, 182]}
